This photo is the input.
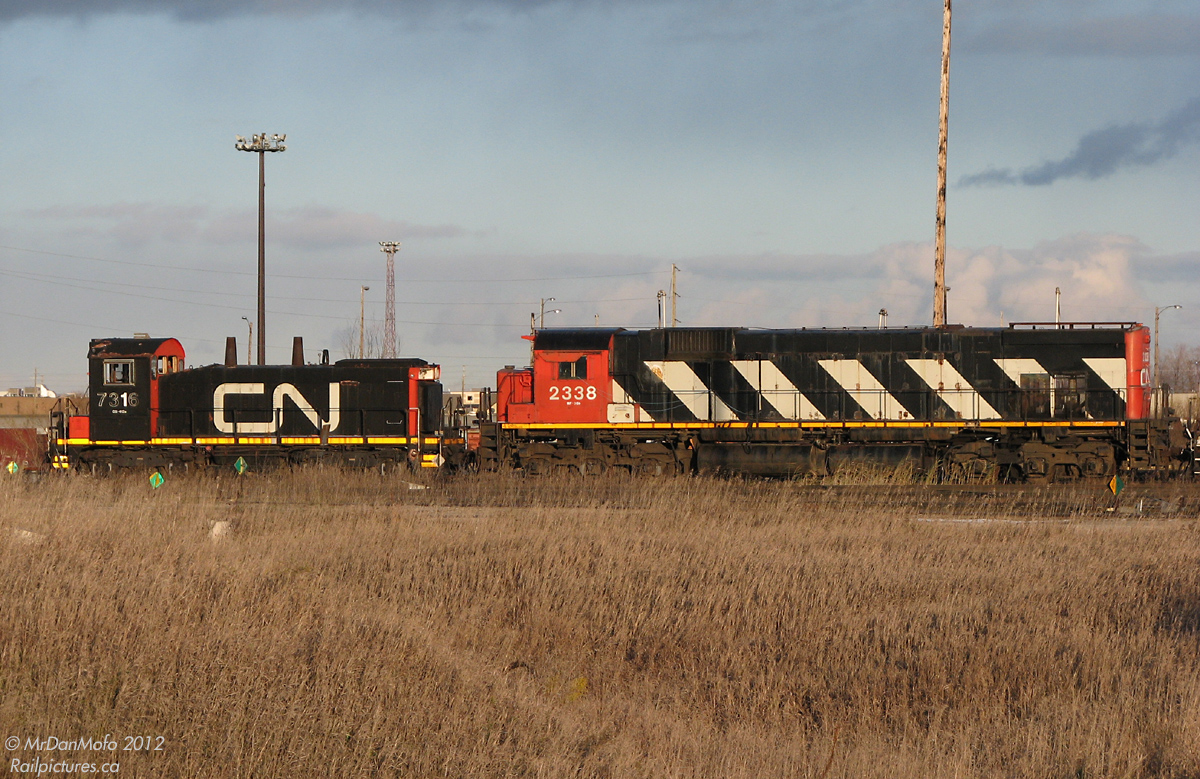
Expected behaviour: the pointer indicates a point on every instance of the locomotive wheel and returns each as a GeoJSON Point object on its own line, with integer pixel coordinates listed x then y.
{"type": "Point", "coordinates": [537, 466]}
{"type": "Point", "coordinates": [592, 467]}
{"type": "Point", "coordinates": [975, 471]}
{"type": "Point", "coordinates": [647, 467]}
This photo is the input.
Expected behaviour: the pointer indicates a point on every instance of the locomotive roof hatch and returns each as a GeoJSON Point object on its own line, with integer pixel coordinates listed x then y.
{"type": "Point", "coordinates": [575, 339]}
{"type": "Point", "coordinates": [134, 347]}
{"type": "Point", "coordinates": [390, 362]}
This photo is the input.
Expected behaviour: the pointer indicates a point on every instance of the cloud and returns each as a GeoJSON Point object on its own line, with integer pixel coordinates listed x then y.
{"type": "Point", "coordinates": [1127, 36]}
{"type": "Point", "coordinates": [204, 10]}
{"type": "Point", "coordinates": [777, 267]}
{"type": "Point", "coordinates": [308, 227]}
{"type": "Point", "coordinates": [988, 286]}
{"type": "Point", "coordinates": [320, 227]}
{"type": "Point", "coordinates": [1096, 273]}
{"type": "Point", "coordinates": [1183, 267]}
{"type": "Point", "coordinates": [1101, 153]}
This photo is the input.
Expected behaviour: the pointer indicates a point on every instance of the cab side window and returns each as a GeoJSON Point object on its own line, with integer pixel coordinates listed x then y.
{"type": "Point", "coordinates": [118, 372]}
{"type": "Point", "coordinates": [573, 370]}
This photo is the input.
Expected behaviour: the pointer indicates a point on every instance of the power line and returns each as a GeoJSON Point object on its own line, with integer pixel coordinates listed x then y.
{"type": "Point", "coordinates": [305, 315]}
{"type": "Point", "coordinates": [330, 278]}
{"type": "Point", "coordinates": [83, 284]}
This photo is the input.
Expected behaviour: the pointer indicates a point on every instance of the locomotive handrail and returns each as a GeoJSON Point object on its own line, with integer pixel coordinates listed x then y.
{"type": "Point", "coordinates": [1070, 325]}
{"type": "Point", "coordinates": [880, 405]}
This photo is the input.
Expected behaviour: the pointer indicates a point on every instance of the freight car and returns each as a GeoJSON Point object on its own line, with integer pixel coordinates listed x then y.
{"type": "Point", "coordinates": [148, 410]}
{"type": "Point", "coordinates": [1035, 402]}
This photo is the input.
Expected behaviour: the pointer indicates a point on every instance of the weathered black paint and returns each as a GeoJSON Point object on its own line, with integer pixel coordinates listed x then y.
{"type": "Point", "coordinates": [796, 353]}
{"type": "Point", "coordinates": [373, 399]}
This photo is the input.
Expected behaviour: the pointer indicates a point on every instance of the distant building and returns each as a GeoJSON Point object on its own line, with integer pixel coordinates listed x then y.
{"type": "Point", "coordinates": [36, 391]}
{"type": "Point", "coordinates": [461, 409]}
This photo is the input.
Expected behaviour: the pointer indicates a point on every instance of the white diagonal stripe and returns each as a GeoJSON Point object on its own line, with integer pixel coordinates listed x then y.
{"type": "Point", "coordinates": [683, 381]}
{"type": "Point", "coordinates": [621, 397]}
{"type": "Point", "coordinates": [1014, 367]}
{"type": "Point", "coordinates": [776, 389]}
{"type": "Point", "coordinates": [865, 389]}
{"type": "Point", "coordinates": [951, 387]}
{"type": "Point", "coordinates": [1111, 371]}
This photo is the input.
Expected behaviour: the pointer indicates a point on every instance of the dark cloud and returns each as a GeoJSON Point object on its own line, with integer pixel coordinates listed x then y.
{"type": "Point", "coordinates": [1125, 36]}
{"type": "Point", "coordinates": [1103, 152]}
{"type": "Point", "coordinates": [740, 16]}
{"type": "Point", "coordinates": [201, 10]}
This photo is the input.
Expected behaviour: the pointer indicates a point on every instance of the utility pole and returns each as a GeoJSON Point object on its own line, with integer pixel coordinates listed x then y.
{"type": "Point", "coordinates": [674, 295]}
{"type": "Point", "coordinates": [362, 320]}
{"type": "Point", "coordinates": [389, 308]}
{"type": "Point", "coordinates": [262, 143]}
{"type": "Point", "coordinates": [939, 252]}
{"type": "Point", "coordinates": [542, 318]}
{"type": "Point", "coordinates": [1157, 388]}
{"type": "Point", "coordinates": [249, 340]}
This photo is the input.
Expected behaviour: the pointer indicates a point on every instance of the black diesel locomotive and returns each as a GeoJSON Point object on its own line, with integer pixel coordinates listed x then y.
{"type": "Point", "coordinates": [146, 409]}
{"type": "Point", "coordinates": [1035, 401]}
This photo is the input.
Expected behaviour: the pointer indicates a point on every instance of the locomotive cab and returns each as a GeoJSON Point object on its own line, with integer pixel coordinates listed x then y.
{"type": "Point", "coordinates": [123, 376]}
{"type": "Point", "coordinates": [570, 381]}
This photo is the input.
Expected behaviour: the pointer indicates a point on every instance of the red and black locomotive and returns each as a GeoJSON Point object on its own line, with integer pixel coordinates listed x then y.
{"type": "Point", "coordinates": [1040, 402]}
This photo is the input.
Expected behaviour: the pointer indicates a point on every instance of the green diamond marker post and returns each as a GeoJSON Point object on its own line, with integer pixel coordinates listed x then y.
{"type": "Point", "coordinates": [156, 480]}
{"type": "Point", "coordinates": [240, 466]}
{"type": "Point", "coordinates": [1115, 485]}
{"type": "Point", "coordinates": [12, 468]}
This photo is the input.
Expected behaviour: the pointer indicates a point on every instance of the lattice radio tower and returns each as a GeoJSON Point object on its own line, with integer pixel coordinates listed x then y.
{"type": "Point", "coordinates": [389, 321]}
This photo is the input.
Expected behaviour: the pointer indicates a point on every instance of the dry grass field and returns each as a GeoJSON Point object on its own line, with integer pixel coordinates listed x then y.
{"type": "Point", "coordinates": [346, 625]}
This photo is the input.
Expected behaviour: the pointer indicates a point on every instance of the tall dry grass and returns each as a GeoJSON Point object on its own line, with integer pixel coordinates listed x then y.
{"type": "Point", "coordinates": [350, 626]}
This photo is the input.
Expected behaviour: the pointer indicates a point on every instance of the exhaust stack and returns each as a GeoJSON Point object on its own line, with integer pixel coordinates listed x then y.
{"type": "Point", "coordinates": [231, 352]}
{"type": "Point", "coordinates": [298, 350]}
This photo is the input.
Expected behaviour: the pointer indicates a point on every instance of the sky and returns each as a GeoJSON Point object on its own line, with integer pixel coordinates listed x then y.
{"type": "Point", "coordinates": [782, 154]}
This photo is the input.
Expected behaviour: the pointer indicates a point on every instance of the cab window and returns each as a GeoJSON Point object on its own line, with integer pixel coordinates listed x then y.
{"type": "Point", "coordinates": [1070, 395]}
{"type": "Point", "coordinates": [118, 372]}
{"type": "Point", "coordinates": [164, 365]}
{"type": "Point", "coordinates": [1035, 395]}
{"type": "Point", "coordinates": [573, 370]}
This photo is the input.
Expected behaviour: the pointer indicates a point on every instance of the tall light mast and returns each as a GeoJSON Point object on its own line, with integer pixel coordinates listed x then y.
{"type": "Point", "coordinates": [389, 310]}
{"type": "Point", "coordinates": [262, 143]}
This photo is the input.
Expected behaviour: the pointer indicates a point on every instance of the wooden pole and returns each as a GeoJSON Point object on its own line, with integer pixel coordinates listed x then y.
{"type": "Point", "coordinates": [674, 295]}
{"type": "Point", "coordinates": [939, 258]}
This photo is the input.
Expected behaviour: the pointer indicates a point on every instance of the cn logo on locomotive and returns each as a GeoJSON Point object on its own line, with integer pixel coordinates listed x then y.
{"type": "Point", "coordinates": [282, 391]}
